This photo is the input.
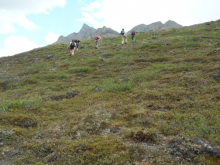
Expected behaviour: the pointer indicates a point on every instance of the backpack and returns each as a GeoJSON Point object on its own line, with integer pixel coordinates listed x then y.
{"type": "Point", "coordinates": [77, 41]}
{"type": "Point", "coordinates": [133, 32]}
{"type": "Point", "coordinates": [73, 44]}
{"type": "Point", "coordinates": [122, 32]}
{"type": "Point", "coordinates": [97, 37]}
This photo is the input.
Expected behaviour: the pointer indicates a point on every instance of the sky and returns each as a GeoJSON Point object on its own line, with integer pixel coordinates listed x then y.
{"type": "Point", "coordinates": [29, 24]}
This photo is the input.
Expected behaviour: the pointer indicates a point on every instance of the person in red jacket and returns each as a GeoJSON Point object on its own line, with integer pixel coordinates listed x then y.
{"type": "Point", "coordinates": [133, 36]}
{"type": "Point", "coordinates": [97, 40]}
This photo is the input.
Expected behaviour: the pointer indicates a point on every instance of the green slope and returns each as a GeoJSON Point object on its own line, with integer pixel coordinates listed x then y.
{"type": "Point", "coordinates": [147, 102]}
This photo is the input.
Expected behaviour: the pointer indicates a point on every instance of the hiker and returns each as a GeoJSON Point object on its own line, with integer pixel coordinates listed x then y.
{"type": "Point", "coordinates": [133, 36]}
{"type": "Point", "coordinates": [124, 36]}
{"type": "Point", "coordinates": [72, 47]}
{"type": "Point", "coordinates": [97, 39]}
{"type": "Point", "coordinates": [77, 44]}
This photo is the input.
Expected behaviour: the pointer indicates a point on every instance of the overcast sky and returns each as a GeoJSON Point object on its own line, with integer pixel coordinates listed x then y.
{"type": "Point", "coordinates": [28, 24]}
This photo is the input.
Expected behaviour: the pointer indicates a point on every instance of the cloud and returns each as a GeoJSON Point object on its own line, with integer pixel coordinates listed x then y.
{"type": "Point", "coordinates": [17, 44]}
{"type": "Point", "coordinates": [31, 6]}
{"type": "Point", "coordinates": [51, 38]}
{"type": "Point", "coordinates": [15, 12]}
{"type": "Point", "coordinates": [128, 13]}
{"type": "Point", "coordinates": [91, 6]}
{"type": "Point", "coordinates": [90, 19]}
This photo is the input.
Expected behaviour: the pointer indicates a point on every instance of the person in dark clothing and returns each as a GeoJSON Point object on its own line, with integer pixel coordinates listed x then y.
{"type": "Point", "coordinates": [72, 47]}
{"type": "Point", "coordinates": [133, 33]}
{"type": "Point", "coordinates": [77, 44]}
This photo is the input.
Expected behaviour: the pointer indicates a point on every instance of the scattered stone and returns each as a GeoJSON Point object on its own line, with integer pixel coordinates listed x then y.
{"type": "Point", "coordinates": [215, 76]}
{"type": "Point", "coordinates": [108, 55]}
{"type": "Point", "coordinates": [181, 149]}
{"type": "Point", "coordinates": [64, 45]}
{"type": "Point", "coordinates": [97, 89]}
{"type": "Point", "coordinates": [217, 50]}
{"type": "Point", "coordinates": [208, 149]}
{"type": "Point", "coordinates": [2, 71]}
{"type": "Point", "coordinates": [48, 56]}
{"type": "Point", "coordinates": [56, 63]}
{"type": "Point", "coordinates": [171, 52]}
{"type": "Point", "coordinates": [6, 135]}
{"type": "Point", "coordinates": [71, 94]}
{"type": "Point", "coordinates": [81, 47]}
{"type": "Point", "coordinates": [92, 47]}
{"type": "Point", "coordinates": [42, 151]}
{"type": "Point", "coordinates": [35, 59]}
{"type": "Point", "coordinates": [218, 43]}
{"type": "Point", "coordinates": [56, 98]}
{"type": "Point", "coordinates": [101, 52]}
{"type": "Point", "coordinates": [114, 130]}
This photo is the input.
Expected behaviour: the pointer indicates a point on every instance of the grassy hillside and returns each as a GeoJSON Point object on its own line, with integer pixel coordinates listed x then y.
{"type": "Point", "coordinates": [148, 102]}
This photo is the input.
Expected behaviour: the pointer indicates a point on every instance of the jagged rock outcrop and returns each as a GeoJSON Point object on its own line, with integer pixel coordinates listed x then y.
{"type": "Point", "coordinates": [155, 26]}
{"type": "Point", "coordinates": [88, 32]}
{"type": "Point", "coordinates": [171, 24]}
{"type": "Point", "coordinates": [62, 39]}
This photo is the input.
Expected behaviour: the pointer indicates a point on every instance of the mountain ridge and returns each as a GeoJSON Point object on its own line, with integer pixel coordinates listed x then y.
{"type": "Point", "coordinates": [87, 32]}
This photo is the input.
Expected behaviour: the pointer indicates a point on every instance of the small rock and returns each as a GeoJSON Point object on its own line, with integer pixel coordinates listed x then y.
{"type": "Point", "coordinates": [217, 50]}
{"type": "Point", "coordinates": [215, 76]}
{"type": "Point", "coordinates": [81, 47]}
{"type": "Point", "coordinates": [56, 63]}
{"type": "Point", "coordinates": [48, 56]}
{"type": "Point", "coordinates": [5, 135]}
{"type": "Point", "coordinates": [2, 71]}
{"type": "Point", "coordinates": [97, 89]}
{"type": "Point", "coordinates": [71, 94]}
{"type": "Point", "coordinates": [114, 130]}
{"type": "Point", "coordinates": [209, 149]}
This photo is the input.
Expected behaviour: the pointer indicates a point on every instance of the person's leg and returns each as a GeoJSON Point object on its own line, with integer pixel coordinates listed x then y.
{"type": "Point", "coordinates": [73, 51]}
{"type": "Point", "coordinates": [122, 40]}
{"type": "Point", "coordinates": [70, 51]}
{"type": "Point", "coordinates": [97, 43]}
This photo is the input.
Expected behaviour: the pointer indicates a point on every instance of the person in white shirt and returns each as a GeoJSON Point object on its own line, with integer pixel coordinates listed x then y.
{"type": "Point", "coordinates": [124, 36]}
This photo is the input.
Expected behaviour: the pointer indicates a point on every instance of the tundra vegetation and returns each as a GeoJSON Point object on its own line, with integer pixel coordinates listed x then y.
{"type": "Point", "coordinates": [147, 102]}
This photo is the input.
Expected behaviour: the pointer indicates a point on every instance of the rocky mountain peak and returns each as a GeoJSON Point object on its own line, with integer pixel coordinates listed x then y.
{"type": "Point", "coordinates": [171, 24]}
{"type": "Point", "coordinates": [155, 26]}
{"type": "Point", "coordinates": [87, 32]}
{"type": "Point", "coordinates": [85, 28]}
